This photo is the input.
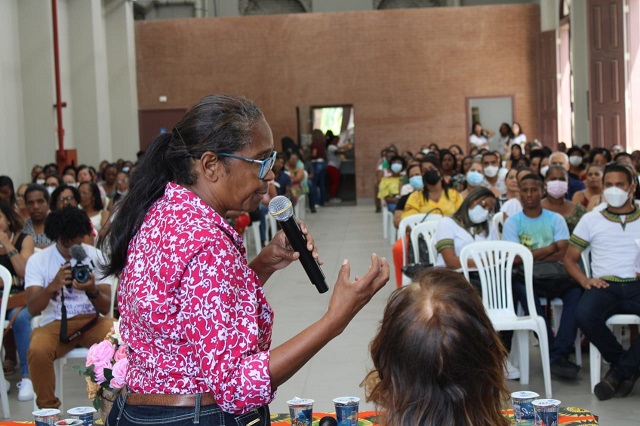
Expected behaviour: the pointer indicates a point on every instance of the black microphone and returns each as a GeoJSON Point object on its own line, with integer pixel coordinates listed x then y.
{"type": "Point", "coordinates": [281, 209]}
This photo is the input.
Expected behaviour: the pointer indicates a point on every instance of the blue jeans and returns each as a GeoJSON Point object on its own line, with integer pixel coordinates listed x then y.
{"type": "Point", "coordinates": [22, 335]}
{"type": "Point", "coordinates": [562, 343]}
{"type": "Point", "coordinates": [595, 307]}
{"type": "Point", "coordinates": [210, 415]}
{"type": "Point", "coordinates": [318, 184]}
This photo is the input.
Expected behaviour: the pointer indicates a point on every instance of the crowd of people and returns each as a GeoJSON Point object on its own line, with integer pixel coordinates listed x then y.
{"type": "Point", "coordinates": [556, 203]}
{"type": "Point", "coordinates": [553, 202]}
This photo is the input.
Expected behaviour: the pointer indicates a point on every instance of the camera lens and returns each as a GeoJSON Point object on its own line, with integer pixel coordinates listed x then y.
{"type": "Point", "coordinates": [81, 274]}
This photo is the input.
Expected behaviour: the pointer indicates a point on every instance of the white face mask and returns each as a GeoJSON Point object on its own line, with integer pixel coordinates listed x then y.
{"type": "Point", "coordinates": [557, 188]}
{"type": "Point", "coordinates": [50, 189]}
{"type": "Point", "coordinates": [478, 214]}
{"type": "Point", "coordinates": [40, 181]}
{"type": "Point", "coordinates": [575, 160]}
{"type": "Point", "coordinates": [491, 171]}
{"type": "Point", "coordinates": [544, 170]}
{"type": "Point", "coordinates": [615, 197]}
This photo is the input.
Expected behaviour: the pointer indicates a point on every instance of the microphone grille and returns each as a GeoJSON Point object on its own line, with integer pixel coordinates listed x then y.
{"type": "Point", "coordinates": [78, 253]}
{"type": "Point", "coordinates": [280, 208]}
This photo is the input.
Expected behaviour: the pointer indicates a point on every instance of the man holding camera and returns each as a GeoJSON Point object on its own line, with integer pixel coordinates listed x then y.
{"type": "Point", "coordinates": [62, 288]}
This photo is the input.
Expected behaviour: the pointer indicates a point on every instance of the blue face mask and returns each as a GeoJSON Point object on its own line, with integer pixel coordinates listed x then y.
{"type": "Point", "coordinates": [474, 178]}
{"type": "Point", "coordinates": [396, 167]}
{"type": "Point", "coordinates": [416, 182]}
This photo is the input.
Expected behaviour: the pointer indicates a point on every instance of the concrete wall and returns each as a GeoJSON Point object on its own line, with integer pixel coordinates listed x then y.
{"type": "Point", "coordinates": [94, 86]}
{"type": "Point", "coordinates": [407, 72]}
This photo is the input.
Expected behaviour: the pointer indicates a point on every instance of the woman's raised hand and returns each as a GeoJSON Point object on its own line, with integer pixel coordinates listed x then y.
{"type": "Point", "coordinates": [349, 297]}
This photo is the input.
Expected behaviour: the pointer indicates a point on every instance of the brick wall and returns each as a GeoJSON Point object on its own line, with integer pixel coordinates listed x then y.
{"type": "Point", "coordinates": [407, 72]}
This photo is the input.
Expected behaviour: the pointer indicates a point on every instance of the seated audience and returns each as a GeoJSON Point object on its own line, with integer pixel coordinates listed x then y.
{"type": "Point", "coordinates": [50, 287]}
{"type": "Point", "coordinates": [545, 233]}
{"type": "Point", "coordinates": [36, 199]}
{"type": "Point", "coordinates": [557, 186]}
{"type": "Point", "coordinates": [7, 191]}
{"type": "Point", "coordinates": [15, 250]}
{"type": "Point", "coordinates": [614, 288]}
{"type": "Point", "coordinates": [576, 162]}
{"type": "Point", "coordinates": [389, 187]}
{"type": "Point", "coordinates": [64, 196]}
{"type": "Point", "coordinates": [91, 203]}
{"type": "Point", "coordinates": [593, 188]}
{"type": "Point", "coordinates": [437, 359]}
{"type": "Point", "coordinates": [491, 167]}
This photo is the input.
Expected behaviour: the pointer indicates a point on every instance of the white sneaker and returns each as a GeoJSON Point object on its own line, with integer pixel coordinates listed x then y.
{"type": "Point", "coordinates": [335, 200]}
{"type": "Point", "coordinates": [25, 390]}
{"type": "Point", "coordinates": [510, 371]}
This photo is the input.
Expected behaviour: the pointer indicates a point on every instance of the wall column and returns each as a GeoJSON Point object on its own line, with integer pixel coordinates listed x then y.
{"type": "Point", "coordinates": [123, 89]}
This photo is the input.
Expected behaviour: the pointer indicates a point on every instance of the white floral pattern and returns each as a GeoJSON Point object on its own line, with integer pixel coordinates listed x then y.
{"type": "Point", "coordinates": [192, 311]}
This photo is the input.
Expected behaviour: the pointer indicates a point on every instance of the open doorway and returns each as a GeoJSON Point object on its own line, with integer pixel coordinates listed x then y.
{"type": "Point", "coordinates": [337, 120]}
{"type": "Point", "coordinates": [491, 112]}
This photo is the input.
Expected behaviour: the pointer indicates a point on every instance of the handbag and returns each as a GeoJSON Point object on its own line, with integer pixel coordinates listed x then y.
{"type": "Point", "coordinates": [417, 266]}
{"type": "Point", "coordinates": [550, 278]}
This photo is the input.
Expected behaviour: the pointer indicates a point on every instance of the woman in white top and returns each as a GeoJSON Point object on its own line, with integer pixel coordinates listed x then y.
{"type": "Point", "coordinates": [479, 137]}
{"type": "Point", "coordinates": [470, 223]}
{"type": "Point", "coordinates": [91, 203]}
{"type": "Point", "coordinates": [519, 138]}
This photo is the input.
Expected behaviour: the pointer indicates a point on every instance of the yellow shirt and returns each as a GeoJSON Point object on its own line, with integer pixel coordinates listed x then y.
{"type": "Point", "coordinates": [417, 204]}
{"type": "Point", "coordinates": [389, 186]}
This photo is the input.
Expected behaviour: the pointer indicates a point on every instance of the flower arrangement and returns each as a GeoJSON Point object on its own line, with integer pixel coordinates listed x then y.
{"type": "Point", "coordinates": [106, 367]}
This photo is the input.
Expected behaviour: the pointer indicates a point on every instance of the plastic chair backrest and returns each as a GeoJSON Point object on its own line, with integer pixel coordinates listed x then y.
{"type": "Point", "coordinates": [498, 222]}
{"type": "Point", "coordinates": [427, 229]}
{"type": "Point", "coordinates": [7, 281]}
{"type": "Point", "coordinates": [494, 260]}
{"type": "Point", "coordinates": [411, 222]}
{"type": "Point", "coordinates": [586, 261]}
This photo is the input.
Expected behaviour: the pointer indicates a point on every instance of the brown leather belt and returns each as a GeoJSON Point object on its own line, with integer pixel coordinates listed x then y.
{"type": "Point", "coordinates": [173, 400]}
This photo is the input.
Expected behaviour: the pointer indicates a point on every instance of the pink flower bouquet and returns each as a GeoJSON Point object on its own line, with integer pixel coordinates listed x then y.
{"type": "Point", "coordinates": [106, 366]}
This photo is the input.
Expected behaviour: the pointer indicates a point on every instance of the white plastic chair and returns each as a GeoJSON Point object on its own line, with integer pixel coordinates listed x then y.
{"type": "Point", "coordinates": [77, 353]}
{"type": "Point", "coordinates": [411, 222]}
{"type": "Point", "coordinates": [498, 222]}
{"type": "Point", "coordinates": [253, 230]}
{"type": "Point", "coordinates": [595, 358]}
{"type": "Point", "coordinates": [494, 260]}
{"type": "Point", "coordinates": [385, 218]}
{"type": "Point", "coordinates": [427, 230]}
{"type": "Point", "coordinates": [7, 281]}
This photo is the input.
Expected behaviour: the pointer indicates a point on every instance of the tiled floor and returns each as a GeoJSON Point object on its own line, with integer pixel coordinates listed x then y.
{"type": "Point", "coordinates": [337, 370]}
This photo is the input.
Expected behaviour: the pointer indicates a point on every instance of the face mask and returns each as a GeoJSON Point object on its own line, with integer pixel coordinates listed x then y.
{"type": "Point", "coordinates": [478, 214]}
{"type": "Point", "coordinates": [431, 177]}
{"type": "Point", "coordinates": [544, 170]}
{"type": "Point", "coordinates": [416, 182]}
{"type": "Point", "coordinates": [122, 193]}
{"type": "Point", "coordinates": [491, 171]}
{"type": "Point", "coordinates": [396, 167]}
{"type": "Point", "coordinates": [50, 189]}
{"type": "Point", "coordinates": [125, 169]}
{"type": "Point", "coordinates": [615, 197]}
{"type": "Point", "coordinates": [474, 178]}
{"type": "Point", "coordinates": [575, 160]}
{"type": "Point", "coordinates": [557, 188]}
{"type": "Point", "coordinates": [40, 181]}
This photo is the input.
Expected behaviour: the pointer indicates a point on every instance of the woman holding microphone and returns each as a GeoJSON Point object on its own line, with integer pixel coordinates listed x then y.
{"type": "Point", "coordinates": [193, 312]}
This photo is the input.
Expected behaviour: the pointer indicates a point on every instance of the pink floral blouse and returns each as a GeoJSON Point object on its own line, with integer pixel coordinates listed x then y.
{"type": "Point", "coordinates": [192, 311]}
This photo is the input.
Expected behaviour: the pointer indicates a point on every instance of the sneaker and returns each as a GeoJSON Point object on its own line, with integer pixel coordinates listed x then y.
{"type": "Point", "coordinates": [335, 200]}
{"type": "Point", "coordinates": [565, 369]}
{"type": "Point", "coordinates": [626, 386]}
{"type": "Point", "coordinates": [607, 387]}
{"type": "Point", "coordinates": [511, 372]}
{"type": "Point", "coordinates": [25, 390]}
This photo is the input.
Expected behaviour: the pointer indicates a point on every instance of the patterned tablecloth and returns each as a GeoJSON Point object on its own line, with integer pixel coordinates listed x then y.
{"type": "Point", "coordinates": [569, 416]}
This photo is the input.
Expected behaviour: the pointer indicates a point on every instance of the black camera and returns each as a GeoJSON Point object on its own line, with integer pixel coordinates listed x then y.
{"type": "Point", "coordinates": [81, 273]}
